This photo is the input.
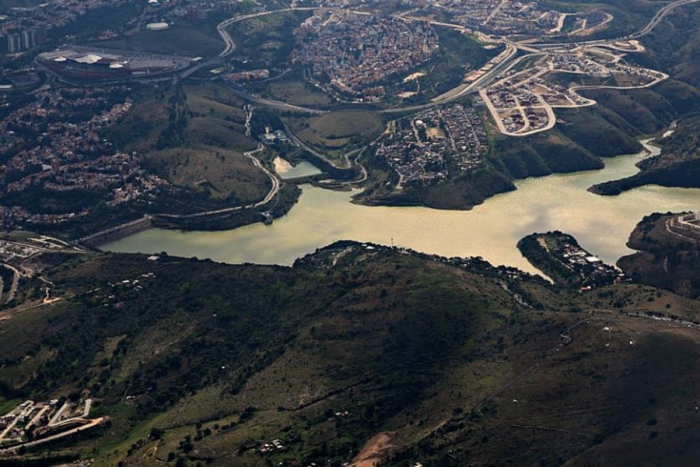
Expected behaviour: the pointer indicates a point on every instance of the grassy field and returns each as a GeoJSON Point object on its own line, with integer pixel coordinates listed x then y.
{"type": "Point", "coordinates": [206, 153]}
{"type": "Point", "coordinates": [296, 92]}
{"type": "Point", "coordinates": [338, 130]}
{"type": "Point", "coordinates": [223, 173]}
{"type": "Point", "coordinates": [208, 110]}
{"type": "Point", "coordinates": [267, 41]}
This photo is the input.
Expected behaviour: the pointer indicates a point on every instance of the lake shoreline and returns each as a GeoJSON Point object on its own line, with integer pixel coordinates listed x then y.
{"type": "Point", "coordinates": [490, 230]}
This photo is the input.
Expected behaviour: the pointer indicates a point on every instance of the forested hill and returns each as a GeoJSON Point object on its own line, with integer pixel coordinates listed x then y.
{"type": "Point", "coordinates": [442, 362]}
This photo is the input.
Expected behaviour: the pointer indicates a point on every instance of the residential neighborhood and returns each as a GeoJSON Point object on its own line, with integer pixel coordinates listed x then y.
{"type": "Point", "coordinates": [57, 144]}
{"type": "Point", "coordinates": [356, 54]}
{"type": "Point", "coordinates": [561, 257]}
{"type": "Point", "coordinates": [524, 17]}
{"type": "Point", "coordinates": [521, 101]}
{"type": "Point", "coordinates": [426, 148]}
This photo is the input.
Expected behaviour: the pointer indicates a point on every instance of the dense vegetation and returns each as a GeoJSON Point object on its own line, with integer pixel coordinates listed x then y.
{"type": "Point", "coordinates": [201, 362]}
{"type": "Point", "coordinates": [538, 255]}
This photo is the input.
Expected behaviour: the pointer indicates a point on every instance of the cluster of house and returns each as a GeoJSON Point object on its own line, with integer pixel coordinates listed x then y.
{"type": "Point", "coordinates": [30, 421]}
{"type": "Point", "coordinates": [423, 150]}
{"type": "Point", "coordinates": [591, 271]}
{"type": "Point", "coordinates": [602, 63]}
{"type": "Point", "coordinates": [518, 108]}
{"type": "Point", "coordinates": [27, 415]}
{"type": "Point", "coordinates": [579, 63]}
{"type": "Point", "coordinates": [114, 295]}
{"type": "Point", "coordinates": [276, 445]}
{"type": "Point", "coordinates": [56, 143]}
{"type": "Point", "coordinates": [509, 17]}
{"type": "Point", "coordinates": [271, 137]}
{"type": "Point", "coordinates": [12, 250]}
{"type": "Point", "coordinates": [355, 54]}
{"type": "Point", "coordinates": [522, 100]}
{"type": "Point", "coordinates": [467, 134]}
{"type": "Point", "coordinates": [27, 27]}
{"type": "Point", "coordinates": [120, 170]}
{"type": "Point", "coordinates": [686, 225]}
{"type": "Point", "coordinates": [59, 127]}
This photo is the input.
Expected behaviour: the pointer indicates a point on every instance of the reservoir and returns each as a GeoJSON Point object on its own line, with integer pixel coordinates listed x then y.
{"type": "Point", "coordinates": [601, 224]}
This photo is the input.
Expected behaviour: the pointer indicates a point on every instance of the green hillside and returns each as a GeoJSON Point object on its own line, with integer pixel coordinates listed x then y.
{"type": "Point", "coordinates": [438, 362]}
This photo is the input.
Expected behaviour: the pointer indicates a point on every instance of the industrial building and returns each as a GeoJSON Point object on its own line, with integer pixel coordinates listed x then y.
{"type": "Point", "coordinates": [84, 63]}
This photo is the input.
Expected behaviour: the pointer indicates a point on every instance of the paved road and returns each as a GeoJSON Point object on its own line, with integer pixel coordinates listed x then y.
{"type": "Point", "coordinates": [352, 158]}
{"type": "Point", "coordinates": [274, 189]}
{"type": "Point", "coordinates": [146, 218]}
{"type": "Point", "coordinates": [505, 61]}
{"type": "Point", "coordinates": [90, 424]}
{"type": "Point", "coordinates": [301, 143]}
{"type": "Point", "coordinates": [454, 94]}
{"type": "Point", "coordinates": [660, 15]}
{"type": "Point", "coordinates": [279, 105]}
{"type": "Point", "coordinates": [268, 197]}
{"type": "Point", "coordinates": [494, 12]}
{"type": "Point", "coordinates": [229, 44]}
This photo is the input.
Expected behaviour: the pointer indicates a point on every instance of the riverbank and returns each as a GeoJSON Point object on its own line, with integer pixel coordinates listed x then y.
{"type": "Point", "coordinates": [490, 230]}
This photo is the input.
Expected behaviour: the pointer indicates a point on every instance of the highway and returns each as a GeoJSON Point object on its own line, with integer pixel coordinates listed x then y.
{"type": "Point", "coordinates": [498, 66]}
{"type": "Point", "coordinates": [229, 44]}
{"type": "Point", "coordinates": [454, 94]}
{"type": "Point", "coordinates": [279, 105]}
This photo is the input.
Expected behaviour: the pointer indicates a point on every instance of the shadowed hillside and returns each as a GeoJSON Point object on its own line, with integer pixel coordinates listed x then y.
{"type": "Point", "coordinates": [442, 362]}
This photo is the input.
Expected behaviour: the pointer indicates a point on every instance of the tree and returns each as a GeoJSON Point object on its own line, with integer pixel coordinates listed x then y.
{"type": "Point", "coordinates": [156, 434]}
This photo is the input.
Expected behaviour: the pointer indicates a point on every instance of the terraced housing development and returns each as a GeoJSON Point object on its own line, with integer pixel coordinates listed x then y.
{"type": "Point", "coordinates": [504, 17]}
{"type": "Point", "coordinates": [522, 101]}
{"type": "Point", "coordinates": [521, 87]}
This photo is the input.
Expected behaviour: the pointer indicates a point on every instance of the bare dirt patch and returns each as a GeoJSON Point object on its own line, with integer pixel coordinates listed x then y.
{"type": "Point", "coordinates": [374, 451]}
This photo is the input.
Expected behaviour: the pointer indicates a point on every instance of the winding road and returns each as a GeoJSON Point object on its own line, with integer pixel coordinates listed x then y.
{"type": "Point", "coordinates": [268, 197]}
{"type": "Point", "coordinates": [660, 15]}
{"type": "Point", "coordinates": [496, 67]}
{"type": "Point", "coordinates": [503, 64]}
